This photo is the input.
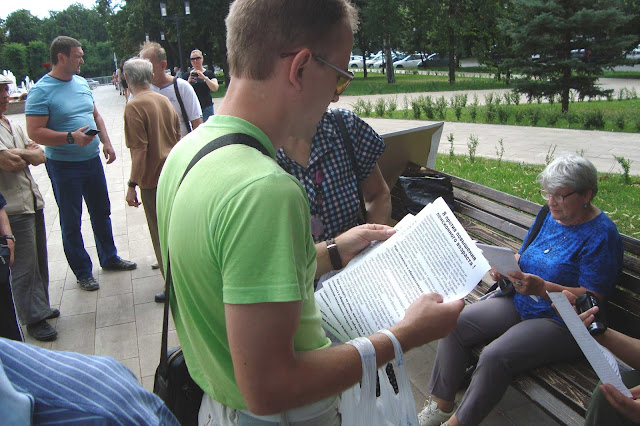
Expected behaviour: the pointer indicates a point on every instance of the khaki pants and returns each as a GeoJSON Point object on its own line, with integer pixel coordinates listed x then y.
{"type": "Point", "coordinates": [148, 197]}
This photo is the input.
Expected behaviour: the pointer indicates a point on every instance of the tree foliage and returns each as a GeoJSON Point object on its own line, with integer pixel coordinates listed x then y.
{"type": "Point", "coordinates": [22, 27]}
{"type": "Point", "coordinates": [544, 33]}
{"type": "Point", "coordinates": [16, 55]}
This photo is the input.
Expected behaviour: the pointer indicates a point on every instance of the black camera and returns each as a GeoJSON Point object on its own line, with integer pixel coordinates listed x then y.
{"type": "Point", "coordinates": [587, 301]}
{"type": "Point", "coordinates": [194, 74]}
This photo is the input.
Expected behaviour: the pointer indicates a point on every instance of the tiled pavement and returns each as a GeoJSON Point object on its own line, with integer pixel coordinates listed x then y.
{"type": "Point", "coordinates": [123, 321]}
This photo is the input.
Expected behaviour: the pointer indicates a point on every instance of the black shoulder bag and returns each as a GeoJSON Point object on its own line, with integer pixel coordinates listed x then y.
{"type": "Point", "coordinates": [184, 112]}
{"type": "Point", "coordinates": [173, 383]}
{"type": "Point", "coordinates": [346, 137]}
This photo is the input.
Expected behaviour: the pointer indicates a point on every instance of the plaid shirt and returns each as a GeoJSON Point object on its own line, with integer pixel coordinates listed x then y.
{"type": "Point", "coordinates": [335, 199]}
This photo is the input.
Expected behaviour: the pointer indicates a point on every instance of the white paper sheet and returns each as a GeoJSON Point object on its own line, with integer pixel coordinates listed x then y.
{"type": "Point", "coordinates": [592, 350]}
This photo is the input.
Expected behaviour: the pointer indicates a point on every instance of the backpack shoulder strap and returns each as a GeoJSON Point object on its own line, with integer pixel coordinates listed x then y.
{"type": "Point", "coordinates": [182, 109]}
{"type": "Point", "coordinates": [229, 139]}
{"type": "Point", "coordinates": [535, 229]}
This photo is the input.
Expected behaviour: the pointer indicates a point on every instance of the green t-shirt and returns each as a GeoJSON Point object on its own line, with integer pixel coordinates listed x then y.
{"type": "Point", "coordinates": [239, 233]}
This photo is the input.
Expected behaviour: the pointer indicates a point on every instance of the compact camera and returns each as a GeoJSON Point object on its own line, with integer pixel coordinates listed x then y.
{"type": "Point", "coordinates": [587, 301]}
{"type": "Point", "coordinates": [194, 74]}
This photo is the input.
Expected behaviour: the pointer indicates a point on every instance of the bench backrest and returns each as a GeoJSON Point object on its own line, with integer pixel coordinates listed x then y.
{"type": "Point", "coordinates": [494, 217]}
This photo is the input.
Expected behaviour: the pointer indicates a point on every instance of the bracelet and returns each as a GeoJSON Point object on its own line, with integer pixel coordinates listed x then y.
{"type": "Point", "coordinates": [132, 184]}
{"type": "Point", "coordinates": [334, 254]}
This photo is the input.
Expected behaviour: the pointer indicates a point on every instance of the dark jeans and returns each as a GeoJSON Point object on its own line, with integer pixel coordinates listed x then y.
{"type": "Point", "coordinates": [206, 113]}
{"type": "Point", "coordinates": [72, 181]}
{"type": "Point", "coordinates": [9, 322]}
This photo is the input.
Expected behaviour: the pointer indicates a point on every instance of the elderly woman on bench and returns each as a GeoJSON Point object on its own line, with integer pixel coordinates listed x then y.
{"type": "Point", "coordinates": [578, 249]}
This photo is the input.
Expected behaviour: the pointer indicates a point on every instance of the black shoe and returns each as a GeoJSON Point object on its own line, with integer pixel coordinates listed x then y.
{"type": "Point", "coordinates": [160, 297]}
{"type": "Point", "coordinates": [155, 266]}
{"type": "Point", "coordinates": [55, 313]}
{"type": "Point", "coordinates": [120, 265]}
{"type": "Point", "coordinates": [88, 284]}
{"type": "Point", "coordinates": [42, 331]}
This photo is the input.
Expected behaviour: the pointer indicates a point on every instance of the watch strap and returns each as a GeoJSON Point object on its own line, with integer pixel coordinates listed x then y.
{"type": "Point", "coordinates": [334, 254]}
{"type": "Point", "coordinates": [131, 184]}
{"type": "Point", "coordinates": [70, 139]}
{"type": "Point", "coordinates": [8, 237]}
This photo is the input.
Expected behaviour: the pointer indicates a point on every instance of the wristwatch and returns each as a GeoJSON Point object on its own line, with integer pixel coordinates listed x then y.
{"type": "Point", "coordinates": [334, 254]}
{"type": "Point", "coordinates": [70, 138]}
{"type": "Point", "coordinates": [9, 237]}
{"type": "Point", "coordinates": [132, 184]}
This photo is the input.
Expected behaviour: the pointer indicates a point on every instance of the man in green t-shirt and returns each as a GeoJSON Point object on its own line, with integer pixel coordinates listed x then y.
{"type": "Point", "coordinates": [238, 231]}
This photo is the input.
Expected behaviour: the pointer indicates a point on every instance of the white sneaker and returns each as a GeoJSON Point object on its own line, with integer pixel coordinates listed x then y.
{"type": "Point", "coordinates": [431, 415]}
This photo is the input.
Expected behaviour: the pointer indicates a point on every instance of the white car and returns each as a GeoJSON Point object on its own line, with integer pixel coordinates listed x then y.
{"type": "Point", "coordinates": [634, 54]}
{"type": "Point", "coordinates": [356, 61]}
{"type": "Point", "coordinates": [92, 83]}
{"type": "Point", "coordinates": [409, 61]}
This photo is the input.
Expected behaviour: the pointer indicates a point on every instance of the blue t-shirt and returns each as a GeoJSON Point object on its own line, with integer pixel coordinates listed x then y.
{"type": "Point", "coordinates": [69, 105]}
{"type": "Point", "coordinates": [587, 255]}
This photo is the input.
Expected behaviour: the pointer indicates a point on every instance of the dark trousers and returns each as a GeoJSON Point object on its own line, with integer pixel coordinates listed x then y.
{"type": "Point", "coordinates": [9, 323]}
{"type": "Point", "coordinates": [71, 182]}
{"type": "Point", "coordinates": [600, 412]}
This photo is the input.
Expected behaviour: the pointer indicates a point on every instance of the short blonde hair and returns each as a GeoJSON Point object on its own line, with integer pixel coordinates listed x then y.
{"type": "Point", "coordinates": [158, 51]}
{"type": "Point", "coordinates": [259, 31]}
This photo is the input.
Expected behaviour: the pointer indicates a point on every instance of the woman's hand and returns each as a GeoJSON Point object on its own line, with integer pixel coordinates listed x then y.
{"type": "Point", "coordinates": [629, 407]}
{"type": "Point", "coordinates": [496, 276]}
{"type": "Point", "coordinates": [527, 284]}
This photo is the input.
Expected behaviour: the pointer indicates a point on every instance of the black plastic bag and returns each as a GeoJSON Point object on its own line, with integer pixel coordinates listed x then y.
{"type": "Point", "coordinates": [422, 190]}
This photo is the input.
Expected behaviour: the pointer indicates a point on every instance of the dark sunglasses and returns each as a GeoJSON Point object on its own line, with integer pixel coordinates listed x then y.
{"type": "Point", "coordinates": [196, 57]}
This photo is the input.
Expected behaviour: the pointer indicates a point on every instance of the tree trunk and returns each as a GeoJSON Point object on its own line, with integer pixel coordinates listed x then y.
{"type": "Point", "coordinates": [391, 77]}
{"type": "Point", "coordinates": [452, 42]}
{"type": "Point", "coordinates": [364, 55]}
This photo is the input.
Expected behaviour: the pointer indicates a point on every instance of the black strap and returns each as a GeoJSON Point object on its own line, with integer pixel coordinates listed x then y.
{"type": "Point", "coordinates": [535, 230]}
{"type": "Point", "coordinates": [346, 138]}
{"type": "Point", "coordinates": [229, 139]}
{"type": "Point", "coordinates": [184, 112]}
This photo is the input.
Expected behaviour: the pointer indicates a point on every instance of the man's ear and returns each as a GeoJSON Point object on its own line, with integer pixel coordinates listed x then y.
{"type": "Point", "coordinates": [300, 62]}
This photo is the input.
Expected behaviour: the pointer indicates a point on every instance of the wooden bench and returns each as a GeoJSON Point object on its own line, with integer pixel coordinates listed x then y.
{"type": "Point", "coordinates": [562, 390]}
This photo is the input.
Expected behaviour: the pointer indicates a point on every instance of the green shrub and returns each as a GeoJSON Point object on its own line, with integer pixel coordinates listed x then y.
{"type": "Point", "coordinates": [428, 107]}
{"type": "Point", "coordinates": [490, 112]}
{"type": "Point", "coordinates": [515, 98]}
{"type": "Point", "coordinates": [619, 119]}
{"type": "Point", "coordinates": [534, 116]}
{"type": "Point", "coordinates": [593, 119]}
{"type": "Point", "coordinates": [368, 107]}
{"type": "Point", "coordinates": [381, 107]}
{"type": "Point", "coordinates": [358, 107]}
{"type": "Point", "coordinates": [518, 115]}
{"type": "Point", "coordinates": [473, 146]}
{"type": "Point", "coordinates": [441, 108]}
{"type": "Point", "coordinates": [416, 107]}
{"type": "Point", "coordinates": [392, 105]}
{"type": "Point", "coordinates": [552, 116]}
{"type": "Point", "coordinates": [451, 152]}
{"type": "Point", "coordinates": [503, 113]}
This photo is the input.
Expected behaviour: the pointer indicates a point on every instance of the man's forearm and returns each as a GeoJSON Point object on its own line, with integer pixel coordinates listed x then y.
{"type": "Point", "coordinates": [624, 347]}
{"type": "Point", "coordinates": [137, 164]}
{"type": "Point", "coordinates": [5, 226]}
{"type": "Point", "coordinates": [195, 123]}
{"type": "Point", "coordinates": [103, 135]}
{"type": "Point", "coordinates": [47, 137]}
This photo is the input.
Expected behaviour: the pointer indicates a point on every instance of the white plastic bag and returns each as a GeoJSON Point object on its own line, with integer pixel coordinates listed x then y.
{"type": "Point", "coordinates": [360, 407]}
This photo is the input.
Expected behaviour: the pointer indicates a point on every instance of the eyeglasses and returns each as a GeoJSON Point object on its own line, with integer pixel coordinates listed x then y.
{"type": "Point", "coordinates": [344, 77]}
{"type": "Point", "coordinates": [195, 58]}
{"type": "Point", "coordinates": [555, 197]}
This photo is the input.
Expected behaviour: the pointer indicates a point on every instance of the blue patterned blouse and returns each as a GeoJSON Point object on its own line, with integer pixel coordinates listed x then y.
{"type": "Point", "coordinates": [329, 178]}
{"type": "Point", "coordinates": [587, 255]}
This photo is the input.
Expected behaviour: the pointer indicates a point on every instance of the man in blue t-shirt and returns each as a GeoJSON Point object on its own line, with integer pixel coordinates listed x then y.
{"type": "Point", "coordinates": [62, 116]}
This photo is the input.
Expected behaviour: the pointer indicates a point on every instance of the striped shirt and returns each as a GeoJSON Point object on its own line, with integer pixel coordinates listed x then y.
{"type": "Point", "coordinates": [72, 388]}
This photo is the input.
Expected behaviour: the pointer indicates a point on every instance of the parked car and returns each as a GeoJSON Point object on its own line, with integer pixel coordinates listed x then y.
{"type": "Point", "coordinates": [435, 60]}
{"type": "Point", "coordinates": [356, 61]}
{"type": "Point", "coordinates": [409, 61]}
{"type": "Point", "coordinates": [634, 54]}
{"type": "Point", "coordinates": [92, 83]}
{"type": "Point", "coordinates": [381, 61]}
{"type": "Point", "coordinates": [582, 54]}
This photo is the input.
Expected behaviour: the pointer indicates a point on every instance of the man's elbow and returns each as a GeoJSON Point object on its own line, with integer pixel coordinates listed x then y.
{"type": "Point", "coordinates": [270, 396]}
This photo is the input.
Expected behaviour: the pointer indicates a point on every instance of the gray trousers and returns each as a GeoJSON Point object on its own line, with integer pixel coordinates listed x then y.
{"type": "Point", "coordinates": [518, 345]}
{"type": "Point", "coordinates": [148, 197]}
{"type": "Point", "coordinates": [30, 271]}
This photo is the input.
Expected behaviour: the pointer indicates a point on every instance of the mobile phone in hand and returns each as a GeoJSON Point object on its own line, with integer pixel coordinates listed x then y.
{"type": "Point", "coordinates": [92, 132]}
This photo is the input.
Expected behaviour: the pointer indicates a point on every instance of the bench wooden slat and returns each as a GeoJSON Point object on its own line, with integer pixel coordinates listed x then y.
{"type": "Point", "coordinates": [495, 222]}
{"type": "Point", "coordinates": [547, 401]}
{"type": "Point", "coordinates": [506, 213]}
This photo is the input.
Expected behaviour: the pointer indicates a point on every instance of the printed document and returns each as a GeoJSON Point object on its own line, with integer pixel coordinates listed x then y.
{"type": "Point", "coordinates": [429, 253]}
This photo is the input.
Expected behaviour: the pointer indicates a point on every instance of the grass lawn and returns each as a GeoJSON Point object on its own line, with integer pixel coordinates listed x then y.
{"type": "Point", "coordinates": [614, 115]}
{"type": "Point", "coordinates": [621, 201]}
{"type": "Point", "coordinates": [376, 84]}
